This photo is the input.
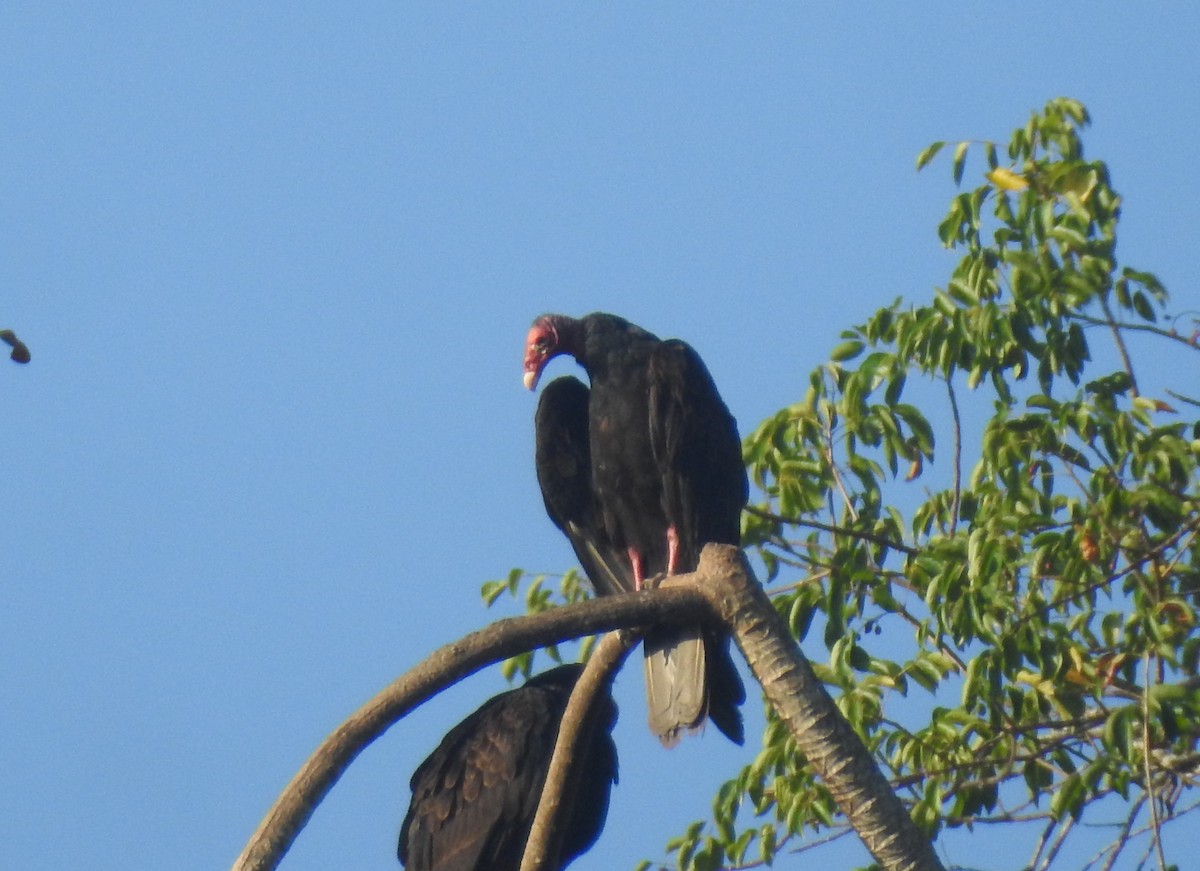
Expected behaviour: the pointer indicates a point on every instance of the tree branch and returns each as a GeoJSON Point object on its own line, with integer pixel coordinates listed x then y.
{"type": "Point", "coordinates": [722, 587]}
{"type": "Point", "coordinates": [956, 506]}
{"type": "Point", "coordinates": [292, 810]}
{"type": "Point", "coordinates": [822, 734]}
{"type": "Point", "coordinates": [1122, 351]}
{"type": "Point", "coordinates": [1143, 328]}
{"type": "Point", "coordinates": [563, 777]}
{"type": "Point", "coordinates": [1147, 756]}
{"type": "Point", "coordinates": [881, 540]}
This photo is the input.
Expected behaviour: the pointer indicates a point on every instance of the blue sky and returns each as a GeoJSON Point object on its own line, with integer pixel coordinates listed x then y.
{"type": "Point", "coordinates": [275, 264]}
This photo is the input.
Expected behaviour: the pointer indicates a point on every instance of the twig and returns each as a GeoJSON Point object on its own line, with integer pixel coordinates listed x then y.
{"type": "Point", "coordinates": [1175, 539]}
{"type": "Point", "coordinates": [1156, 833]}
{"type": "Point", "coordinates": [827, 427]}
{"type": "Point", "coordinates": [814, 844]}
{"type": "Point", "coordinates": [1119, 844]}
{"type": "Point", "coordinates": [1183, 398]}
{"type": "Point", "coordinates": [1120, 340]}
{"type": "Point", "coordinates": [1059, 840]}
{"type": "Point", "coordinates": [1041, 844]}
{"type": "Point", "coordinates": [836, 530]}
{"type": "Point", "coordinates": [957, 455]}
{"type": "Point", "coordinates": [1144, 328]}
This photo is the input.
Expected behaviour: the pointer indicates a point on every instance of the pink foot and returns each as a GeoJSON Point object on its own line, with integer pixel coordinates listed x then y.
{"type": "Point", "coordinates": [635, 560]}
{"type": "Point", "coordinates": [672, 550]}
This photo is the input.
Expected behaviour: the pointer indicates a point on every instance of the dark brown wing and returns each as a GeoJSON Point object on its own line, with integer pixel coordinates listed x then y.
{"type": "Point", "coordinates": [474, 798]}
{"type": "Point", "coordinates": [697, 451]}
{"type": "Point", "coordinates": [564, 470]}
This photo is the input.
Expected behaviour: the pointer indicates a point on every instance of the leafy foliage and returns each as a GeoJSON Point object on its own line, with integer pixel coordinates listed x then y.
{"type": "Point", "coordinates": [538, 597]}
{"type": "Point", "coordinates": [1050, 591]}
{"type": "Point", "coordinates": [1044, 598]}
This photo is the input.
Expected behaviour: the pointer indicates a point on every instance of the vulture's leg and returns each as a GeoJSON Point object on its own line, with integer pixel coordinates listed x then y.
{"type": "Point", "coordinates": [635, 560]}
{"type": "Point", "coordinates": [672, 550]}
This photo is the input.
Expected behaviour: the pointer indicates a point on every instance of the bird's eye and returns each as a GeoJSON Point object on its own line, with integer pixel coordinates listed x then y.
{"type": "Point", "coordinates": [542, 347]}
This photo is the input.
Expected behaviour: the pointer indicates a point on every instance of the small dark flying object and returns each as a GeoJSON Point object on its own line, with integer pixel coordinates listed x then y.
{"type": "Point", "coordinates": [474, 798]}
{"type": "Point", "coordinates": [20, 351]}
{"type": "Point", "coordinates": [640, 472]}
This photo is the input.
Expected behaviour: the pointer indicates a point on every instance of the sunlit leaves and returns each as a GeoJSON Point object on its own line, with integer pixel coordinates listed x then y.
{"type": "Point", "coordinates": [1028, 587]}
{"type": "Point", "coordinates": [1035, 574]}
{"type": "Point", "coordinates": [536, 596]}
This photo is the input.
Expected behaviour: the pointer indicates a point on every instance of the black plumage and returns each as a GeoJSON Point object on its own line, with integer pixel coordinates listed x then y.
{"type": "Point", "coordinates": [563, 460]}
{"type": "Point", "coordinates": [641, 472]}
{"type": "Point", "coordinates": [474, 798]}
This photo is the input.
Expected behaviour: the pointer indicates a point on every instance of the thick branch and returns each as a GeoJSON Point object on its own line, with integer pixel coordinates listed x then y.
{"type": "Point", "coordinates": [835, 752]}
{"type": "Point", "coordinates": [291, 811]}
{"type": "Point", "coordinates": [722, 585]}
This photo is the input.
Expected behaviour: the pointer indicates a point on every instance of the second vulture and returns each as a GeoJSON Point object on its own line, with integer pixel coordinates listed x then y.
{"type": "Point", "coordinates": [474, 798]}
{"type": "Point", "coordinates": [640, 472]}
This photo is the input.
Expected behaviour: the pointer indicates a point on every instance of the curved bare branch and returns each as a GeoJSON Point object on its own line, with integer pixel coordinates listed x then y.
{"type": "Point", "coordinates": [295, 805]}
{"type": "Point", "coordinates": [724, 588]}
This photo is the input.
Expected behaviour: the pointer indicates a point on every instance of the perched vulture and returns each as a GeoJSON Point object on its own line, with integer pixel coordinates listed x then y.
{"type": "Point", "coordinates": [640, 472]}
{"type": "Point", "coordinates": [474, 798]}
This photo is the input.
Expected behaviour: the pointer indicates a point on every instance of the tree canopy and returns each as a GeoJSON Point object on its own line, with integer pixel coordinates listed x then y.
{"type": "Point", "coordinates": [987, 498]}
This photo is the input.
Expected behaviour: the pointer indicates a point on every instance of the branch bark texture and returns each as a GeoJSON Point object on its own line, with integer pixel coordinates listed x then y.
{"type": "Point", "coordinates": [835, 752]}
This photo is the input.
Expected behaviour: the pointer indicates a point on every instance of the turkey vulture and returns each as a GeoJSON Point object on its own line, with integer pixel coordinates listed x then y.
{"type": "Point", "coordinates": [475, 797]}
{"type": "Point", "coordinates": [640, 473]}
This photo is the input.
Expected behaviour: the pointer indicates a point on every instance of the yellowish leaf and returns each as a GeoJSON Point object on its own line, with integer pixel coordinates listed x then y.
{"type": "Point", "coordinates": [1006, 179]}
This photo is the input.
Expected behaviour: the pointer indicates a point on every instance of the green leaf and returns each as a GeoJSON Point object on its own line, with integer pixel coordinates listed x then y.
{"type": "Point", "coordinates": [992, 160]}
{"type": "Point", "coordinates": [1141, 305]}
{"type": "Point", "coordinates": [847, 351]}
{"type": "Point", "coordinates": [928, 154]}
{"type": "Point", "coordinates": [491, 591]}
{"type": "Point", "coordinates": [1118, 731]}
{"type": "Point", "coordinates": [860, 660]}
{"type": "Point", "coordinates": [960, 160]}
{"type": "Point", "coordinates": [1068, 797]}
